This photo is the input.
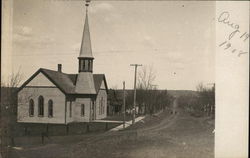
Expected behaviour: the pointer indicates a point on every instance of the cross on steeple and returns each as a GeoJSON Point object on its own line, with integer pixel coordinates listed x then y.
{"type": "Point", "coordinates": [87, 3]}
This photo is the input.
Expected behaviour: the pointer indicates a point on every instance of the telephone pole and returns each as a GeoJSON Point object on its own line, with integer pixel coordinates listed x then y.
{"type": "Point", "coordinates": [135, 65]}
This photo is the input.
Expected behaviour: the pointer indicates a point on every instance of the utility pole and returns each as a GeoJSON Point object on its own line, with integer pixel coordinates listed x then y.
{"type": "Point", "coordinates": [135, 65]}
{"type": "Point", "coordinates": [124, 102]}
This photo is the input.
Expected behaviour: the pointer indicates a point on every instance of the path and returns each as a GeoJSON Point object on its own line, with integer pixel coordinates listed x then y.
{"type": "Point", "coordinates": [127, 124]}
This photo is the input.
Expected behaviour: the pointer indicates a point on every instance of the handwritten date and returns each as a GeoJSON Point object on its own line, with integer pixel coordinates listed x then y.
{"type": "Point", "coordinates": [228, 46]}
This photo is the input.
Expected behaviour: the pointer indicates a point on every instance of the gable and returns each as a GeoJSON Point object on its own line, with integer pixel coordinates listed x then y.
{"type": "Point", "coordinates": [40, 80]}
{"type": "Point", "coordinates": [100, 82]}
{"type": "Point", "coordinates": [102, 85]}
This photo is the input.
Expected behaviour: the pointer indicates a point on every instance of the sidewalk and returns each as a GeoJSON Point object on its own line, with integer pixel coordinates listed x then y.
{"type": "Point", "coordinates": [127, 124]}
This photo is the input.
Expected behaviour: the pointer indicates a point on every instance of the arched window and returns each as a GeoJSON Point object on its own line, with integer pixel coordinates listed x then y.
{"type": "Point", "coordinates": [40, 106]}
{"type": "Point", "coordinates": [50, 108]}
{"type": "Point", "coordinates": [31, 107]}
{"type": "Point", "coordinates": [101, 106]}
{"type": "Point", "coordinates": [86, 65]}
{"type": "Point", "coordinates": [70, 109]}
{"type": "Point", "coordinates": [82, 109]}
{"type": "Point", "coordinates": [83, 65]}
{"type": "Point", "coordinates": [89, 65]}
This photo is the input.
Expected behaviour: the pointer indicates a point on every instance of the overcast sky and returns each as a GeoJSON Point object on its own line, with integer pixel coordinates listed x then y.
{"type": "Point", "coordinates": [175, 38]}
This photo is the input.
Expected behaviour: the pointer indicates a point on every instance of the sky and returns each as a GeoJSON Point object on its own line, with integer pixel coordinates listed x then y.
{"type": "Point", "coordinates": [175, 38]}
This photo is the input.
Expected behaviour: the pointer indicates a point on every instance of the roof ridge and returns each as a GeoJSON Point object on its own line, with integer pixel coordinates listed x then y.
{"type": "Point", "coordinates": [56, 71]}
{"type": "Point", "coordinates": [65, 82]}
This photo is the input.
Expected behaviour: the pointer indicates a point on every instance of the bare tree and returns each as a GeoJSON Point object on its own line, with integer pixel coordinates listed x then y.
{"type": "Point", "coordinates": [9, 109]}
{"type": "Point", "coordinates": [200, 87]}
{"type": "Point", "coordinates": [146, 77]}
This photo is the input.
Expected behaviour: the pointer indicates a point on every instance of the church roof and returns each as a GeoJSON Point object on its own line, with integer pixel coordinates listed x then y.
{"type": "Point", "coordinates": [86, 50]}
{"type": "Point", "coordinates": [66, 82]}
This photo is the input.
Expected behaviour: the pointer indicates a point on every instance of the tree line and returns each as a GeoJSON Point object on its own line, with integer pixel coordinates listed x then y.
{"type": "Point", "coordinates": [202, 103]}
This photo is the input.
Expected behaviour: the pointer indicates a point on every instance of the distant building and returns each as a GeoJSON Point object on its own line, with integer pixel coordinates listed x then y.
{"type": "Point", "coordinates": [50, 96]}
{"type": "Point", "coordinates": [115, 101]}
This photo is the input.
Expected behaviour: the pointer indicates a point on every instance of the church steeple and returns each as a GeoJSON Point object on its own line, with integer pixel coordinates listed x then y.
{"type": "Point", "coordinates": [85, 57]}
{"type": "Point", "coordinates": [85, 81]}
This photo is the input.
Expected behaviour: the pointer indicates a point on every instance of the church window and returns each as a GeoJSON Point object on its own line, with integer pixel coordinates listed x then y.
{"type": "Point", "coordinates": [83, 65]}
{"type": "Point", "coordinates": [50, 108]}
{"type": "Point", "coordinates": [82, 109]}
{"type": "Point", "coordinates": [31, 107]}
{"type": "Point", "coordinates": [101, 111]}
{"type": "Point", "coordinates": [89, 65]}
{"type": "Point", "coordinates": [40, 106]}
{"type": "Point", "coordinates": [86, 65]}
{"type": "Point", "coordinates": [70, 109]}
{"type": "Point", "coordinates": [100, 107]}
{"type": "Point", "coordinates": [103, 107]}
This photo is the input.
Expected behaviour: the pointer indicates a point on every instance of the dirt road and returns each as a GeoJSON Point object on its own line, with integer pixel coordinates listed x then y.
{"type": "Point", "coordinates": [162, 136]}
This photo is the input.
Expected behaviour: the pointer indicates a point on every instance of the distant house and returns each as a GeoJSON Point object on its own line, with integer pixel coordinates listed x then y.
{"type": "Point", "coordinates": [115, 101]}
{"type": "Point", "coordinates": [50, 96]}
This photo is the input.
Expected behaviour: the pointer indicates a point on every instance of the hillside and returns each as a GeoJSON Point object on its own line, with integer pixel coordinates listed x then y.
{"type": "Point", "coordinates": [178, 93]}
{"type": "Point", "coordinates": [175, 93]}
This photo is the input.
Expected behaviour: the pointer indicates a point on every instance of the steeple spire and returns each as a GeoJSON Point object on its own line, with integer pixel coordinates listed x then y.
{"type": "Point", "coordinates": [86, 50]}
{"type": "Point", "coordinates": [85, 57]}
{"type": "Point", "coordinates": [85, 81]}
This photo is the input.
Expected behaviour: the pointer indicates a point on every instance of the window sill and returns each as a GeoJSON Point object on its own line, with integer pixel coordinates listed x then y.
{"type": "Point", "coordinates": [40, 115]}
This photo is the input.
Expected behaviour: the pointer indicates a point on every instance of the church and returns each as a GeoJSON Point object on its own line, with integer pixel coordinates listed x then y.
{"type": "Point", "coordinates": [54, 97]}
